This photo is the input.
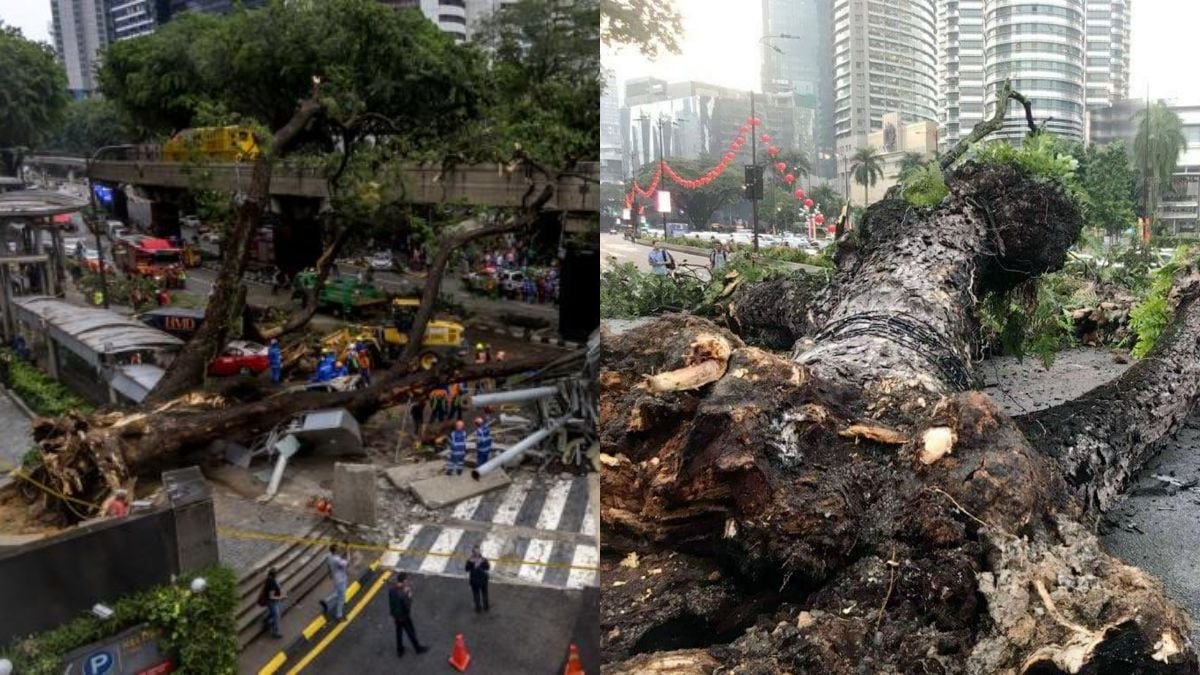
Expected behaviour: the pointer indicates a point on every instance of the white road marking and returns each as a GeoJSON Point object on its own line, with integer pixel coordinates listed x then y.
{"type": "Point", "coordinates": [446, 542]}
{"type": "Point", "coordinates": [539, 551]}
{"type": "Point", "coordinates": [514, 496]}
{"type": "Point", "coordinates": [392, 556]}
{"type": "Point", "coordinates": [585, 556]}
{"type": "Point", "coordinates": [552, 508]}
{"type": "Point", "coordinates": [590, 520]}
{"type": "Point", "coordinates": [466, 508]}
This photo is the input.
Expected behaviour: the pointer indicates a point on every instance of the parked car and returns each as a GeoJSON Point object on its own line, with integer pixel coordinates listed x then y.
{"type": "Point", "coordinates": [189, 221]}
{"type": "Point", "coordinates": [380, 260]}
{"type": "Point", "coordinates": [211, 237]}
{"type": "Point", "coordinates": [511, 282]}
{"type": "Point", "coordinates": [91, 261]}
{"type": "Point", "coordinates": [240, 357]}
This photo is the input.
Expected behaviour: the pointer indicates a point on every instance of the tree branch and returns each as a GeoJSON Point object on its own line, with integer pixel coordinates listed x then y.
{"type": "Point", "coordinates": [990, 125]}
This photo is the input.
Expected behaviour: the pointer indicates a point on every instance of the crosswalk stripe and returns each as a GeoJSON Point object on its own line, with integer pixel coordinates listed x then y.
{"type": "Point", "coordinates": [390, 558]}
{"type": "Point", "coordinates": [589, 518]}
{"type": "Point", "coordinates": [514, 496]}
{"type": "Point", "coordinates": [491, 548]}
{"type": "Point", "coordinates": [445, 543]}
{"type": "Point", "coordinates": [466, 508]}
{"type": "Point", "coordinates": [538, 550]}
{"type": "Point", "coordinates": [586, 555]}
{"type": "Point", "coordinates": [420, 543]}
{"type": "Point", "coordinates": [552, 508]}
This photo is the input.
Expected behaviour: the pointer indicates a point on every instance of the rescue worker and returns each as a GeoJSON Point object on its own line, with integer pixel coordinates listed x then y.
{"type": "Point", "coordinates": [275, 360]}
{"type": "Point", "coordinates": [324, 369]}
{"type": "Point", "coordinates": [339, 369]}
{"type": "Point", "coordinates": [97, 298]}
{"type": "Point", "coordinates": [439, 400]}
{"type": "Point", "coordinates": [458, 450]}
{"type": "Point", "coordinates": [362, 354]}
{"type": "Point", "coordinates": [458, 396]}
{"type": "Point", "coordinates": [483, 440]}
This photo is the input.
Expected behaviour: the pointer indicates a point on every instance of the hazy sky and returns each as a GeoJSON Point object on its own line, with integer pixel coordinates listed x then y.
{"type": "Point", "coordinates": [720, 46]}
{"type": "Point", "coordinates": [31, 16]}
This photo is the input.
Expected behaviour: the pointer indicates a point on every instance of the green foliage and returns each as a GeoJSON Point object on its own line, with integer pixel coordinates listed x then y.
{"type": "Point", "coordinates": [89, 124]}
{"type": "Point", "coordinates": [33, 92]}
{"type": "Point", "coordinates": [626, 293]}
{"type": "Point", "coordinates": [201, 626]}
{"type": "Point", "coordinates": [867, 167]}
{"type": "Point", "coordinates": [925, 186]}
{"type": "Point", "coordinates": [1151, 316]}
{"type": "Point", "coordinates": [1156, 149]}
{"type": "Point", "coordinates": [1033, 318]}
{"type": "Point", "coordinates": [775, 253]}
{"type": "Point", "coordinates": [544, 81]}
{"type": "Point", "coordinates": [1110, 182]}
{"type": "Point", "coordinates": [828, 200]}
{"type": "Point", "coordinates": [42, 393]}
{"type": "Point", "coordinates": [650, 25]}
{"type": "Point", "coordinates": [910, 162]}
{"type": "Point", "coordinates": [1044, 156]}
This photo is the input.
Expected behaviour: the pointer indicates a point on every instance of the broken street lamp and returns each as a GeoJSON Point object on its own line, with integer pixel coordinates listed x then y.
{"type": "Point", "coordinates": [754, 182]}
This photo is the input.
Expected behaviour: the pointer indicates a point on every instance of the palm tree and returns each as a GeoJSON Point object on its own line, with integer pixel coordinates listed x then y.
{"type": "Point", "coordinates": [911, 161]}
{"type": "Point", "coordinates": [797, 162]}
{"type": "Point", "coordinates": [827, 199]}
{"type": "Point", "coordinates": [1156, 148]}
{"type": "Point", "coordinates": [867, 168]}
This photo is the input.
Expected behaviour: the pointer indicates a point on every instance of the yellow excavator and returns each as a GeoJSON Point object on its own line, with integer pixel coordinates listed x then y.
{"type": "Point", "coordinates": [443, 337]}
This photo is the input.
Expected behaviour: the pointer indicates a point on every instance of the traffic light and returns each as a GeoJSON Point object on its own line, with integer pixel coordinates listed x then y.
{"type": "Point", "coordinates": [754, 181]}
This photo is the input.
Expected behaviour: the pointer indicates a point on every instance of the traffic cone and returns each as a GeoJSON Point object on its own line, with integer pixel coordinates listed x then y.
{"type": "Point", "coordinates": [459, 658]}
{"type": "Point", "coordinates": [574, 666]}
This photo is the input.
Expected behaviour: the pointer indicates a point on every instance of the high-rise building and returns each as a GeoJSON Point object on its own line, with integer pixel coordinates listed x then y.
{"type": "Point", "coordinates": [1065, 55]}
{"type": "Point", "coordinates": [80, 34]}
{"type": "Point", "coordinates": [611, 148]}
{"type": "Point", "coordinates": [210, 6]}
{"type": "Point", "coordinates": [132, 18]}
{"type": "Point", "coordinates": [459, 18]}
{"type": "Point", "coordinates": [884, 60]}
{"type": "Point", "coordinates": [797, 60]}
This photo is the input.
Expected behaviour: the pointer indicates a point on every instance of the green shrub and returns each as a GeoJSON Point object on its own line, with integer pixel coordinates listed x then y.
{"type": "Point", "coordinates": [1033, 318]}
{"type": "Point", "coordinates": [1044, 156]}
{"type": "Point", "coordinates": [42, 393]}
{"type": "Point", "coordinates": [201, 626]}
{"type": "Point", "coordinates": [1151, 316]}
{"type": "Point", "coordinates": [626, 292]}
{"type": "Point", "coordinates": [925, 186]}
{"type": "Point", "coordinates": [780, 253]}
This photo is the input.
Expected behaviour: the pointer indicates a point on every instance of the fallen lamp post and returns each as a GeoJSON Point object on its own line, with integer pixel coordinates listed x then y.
{"type": "Point", "coordinates": [524, 445]}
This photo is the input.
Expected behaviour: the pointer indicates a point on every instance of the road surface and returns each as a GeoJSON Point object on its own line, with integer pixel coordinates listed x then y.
{"type": "Point", "coordinates": [615, 246]}
{"type": "Point", "coordinates": [541, 534]}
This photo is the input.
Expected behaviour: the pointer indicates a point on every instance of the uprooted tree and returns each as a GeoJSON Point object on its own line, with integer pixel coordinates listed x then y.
{"type": "Point", "coordinates": [860, 506]}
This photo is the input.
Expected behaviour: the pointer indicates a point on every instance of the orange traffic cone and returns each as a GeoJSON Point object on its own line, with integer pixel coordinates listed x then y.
{"type": "Point", "coordinates": [574, 666]}
{"type": "Point", "coordinates": [459, 658]}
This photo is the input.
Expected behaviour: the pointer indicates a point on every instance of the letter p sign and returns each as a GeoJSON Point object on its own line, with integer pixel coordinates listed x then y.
{"type": "Point", "coordinates": [98, 663]}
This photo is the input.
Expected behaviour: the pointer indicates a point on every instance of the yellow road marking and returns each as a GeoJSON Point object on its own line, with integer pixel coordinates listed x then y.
{"type": "Point", "coordinates": [273, 664]}
{"type": "Point", "coordinates": [340, 626]}
{"type": "Point", "coordinates": [351, 591]}
{"type": "Point", "coordinates": [313, 626]}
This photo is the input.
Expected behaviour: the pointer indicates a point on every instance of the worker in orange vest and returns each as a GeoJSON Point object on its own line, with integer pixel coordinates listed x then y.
{"type": "Point", "coordinates": [439, 402]}
{"type": "Point", "coordinates": [458, 397]}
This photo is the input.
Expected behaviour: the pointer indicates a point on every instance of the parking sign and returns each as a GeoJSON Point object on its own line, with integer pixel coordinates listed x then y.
{"type": "Point", "coordinates": [99, 663]}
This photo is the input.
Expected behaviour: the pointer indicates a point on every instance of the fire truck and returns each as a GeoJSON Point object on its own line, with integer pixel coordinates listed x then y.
{"type": "Point", "coordinates": [152, 258]}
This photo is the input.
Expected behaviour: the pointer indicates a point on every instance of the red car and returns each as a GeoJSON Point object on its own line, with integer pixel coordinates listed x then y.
{"type": "Point", "coordinates": [240, 358]}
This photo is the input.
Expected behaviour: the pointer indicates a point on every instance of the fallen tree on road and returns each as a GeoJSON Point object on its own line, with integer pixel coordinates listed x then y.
{"type": "Point", "coordinates": [870, 509]}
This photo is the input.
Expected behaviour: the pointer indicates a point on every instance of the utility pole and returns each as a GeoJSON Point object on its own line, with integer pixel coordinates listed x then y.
{"type": "Point", "coordinates": [758, 177]}
{"type": "Point", "coordinates": [662, 168]}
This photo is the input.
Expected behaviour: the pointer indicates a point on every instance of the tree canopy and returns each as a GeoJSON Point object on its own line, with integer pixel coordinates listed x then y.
{"type": "Point", "coordinates": [87, 125]}
{"type": "Point", "coordinates": [867, 167]}
{"type": "Point", "coordinates": [33, 93]}
{"type": "Point", "coordinates": [1110, 183]}
{"type": "Point", "coordinates": [653, 26]}
{"type": "Point", "coordinates": [1156, 149]}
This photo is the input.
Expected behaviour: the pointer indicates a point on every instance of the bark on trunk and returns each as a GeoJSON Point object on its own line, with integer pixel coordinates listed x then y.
{"type": "Point", "coordinates": [225, 305]}
{"type": "Point", "coordinates": [903, 522]}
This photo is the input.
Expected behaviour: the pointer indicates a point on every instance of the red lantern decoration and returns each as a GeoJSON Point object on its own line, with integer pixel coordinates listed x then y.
{"type": "Point", "coordinates": [789, 179]}
{"type": "Point", "coordinates": [765, 138]}
{"type": "Point", "coordinates": [755, 121]}
{"type": "Point", "coordinates": [799, 194]}
{"type": "Point", "coordinates": [745, 128]}
{"type": "Point", "coordinates": [818, 219]}
{"type": "Point", "coordinates": [729, 156]}
{"type": "Point", "coordinates": [780, 167]}
{"type": "Point", "coordinates": [772, 151]}
{"type": "Point", "coordinates": [808, 203]}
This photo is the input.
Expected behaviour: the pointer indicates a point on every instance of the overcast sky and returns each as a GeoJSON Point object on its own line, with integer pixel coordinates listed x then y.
{"type": "Point", "coordinates": [720, 46]}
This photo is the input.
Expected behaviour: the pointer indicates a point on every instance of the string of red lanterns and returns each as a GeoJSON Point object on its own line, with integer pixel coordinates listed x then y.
{"type": "Point", "coordinates": [715, 172]}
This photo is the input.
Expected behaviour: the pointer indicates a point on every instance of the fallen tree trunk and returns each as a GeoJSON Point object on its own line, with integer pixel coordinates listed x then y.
{"type": "Point", "coordinates": [86, 458]}
{"type": "Point", "coordinates": [901, 522]}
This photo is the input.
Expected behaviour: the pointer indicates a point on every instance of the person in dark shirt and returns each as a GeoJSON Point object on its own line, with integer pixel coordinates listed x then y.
{"type": "Point", "coordinates": [477, 573]}
{"type": "Point", "coordinates": [271, 597]}
{"type": "Point", "coordinates": [400, 606]}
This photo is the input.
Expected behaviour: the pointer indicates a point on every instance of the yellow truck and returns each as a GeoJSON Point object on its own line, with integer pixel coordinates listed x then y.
{"type": "Point", "coordinates": [221, 144]}
{"type": "Point", "coordinates": [442, 336]}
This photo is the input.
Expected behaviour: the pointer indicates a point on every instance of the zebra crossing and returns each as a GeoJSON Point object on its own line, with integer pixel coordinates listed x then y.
{"type": "Point", "coordinates": [535, 531]}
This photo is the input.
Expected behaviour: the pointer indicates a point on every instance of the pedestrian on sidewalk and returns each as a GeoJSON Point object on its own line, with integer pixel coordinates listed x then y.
{"type": "Point", "coordinates": [400, 607]}
{"type": "Point", "coordinates": [458, 449]}
{"type": "Point", "coordinates": [337, 565]}
{"type": "Point", "coordinates": [478, 568]}
{"type": "Point", "coordinates": [270, 597]}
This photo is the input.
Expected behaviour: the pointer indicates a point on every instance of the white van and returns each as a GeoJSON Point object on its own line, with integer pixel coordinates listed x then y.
{"type": "Point", "coordinates": [115, 229]}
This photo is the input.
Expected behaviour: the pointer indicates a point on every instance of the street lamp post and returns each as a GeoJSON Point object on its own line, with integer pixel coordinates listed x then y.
{"type": "Point", "coordinates": [757, 176]}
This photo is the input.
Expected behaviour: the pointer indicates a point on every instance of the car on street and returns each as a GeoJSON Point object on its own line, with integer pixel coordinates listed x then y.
{"type": "Point", "coordinates": [380, 260]}
{"type": "Point", "coordinates": [189, 221]}
{"type": "Point", "coordinates": [240, 357]}
{"type": "Point", "coordinates": [210, 238]}
{"type": "Point", "coordinates": [511, 282]}
{"type": "Point", "coordinates": [91, 261]}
